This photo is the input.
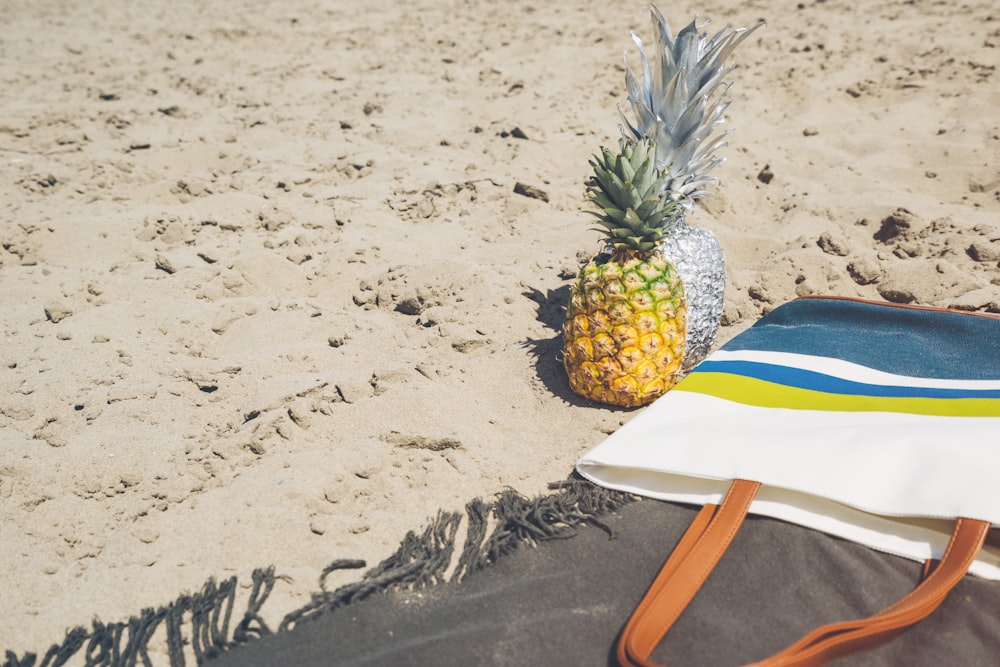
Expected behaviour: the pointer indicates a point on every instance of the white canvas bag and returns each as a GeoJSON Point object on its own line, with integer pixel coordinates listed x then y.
{"type": "Point", "coordinates": [876, 423]}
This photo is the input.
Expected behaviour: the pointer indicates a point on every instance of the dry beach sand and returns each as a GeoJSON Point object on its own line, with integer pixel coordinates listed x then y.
{"type": "Point", "coordinates": [279, 281]}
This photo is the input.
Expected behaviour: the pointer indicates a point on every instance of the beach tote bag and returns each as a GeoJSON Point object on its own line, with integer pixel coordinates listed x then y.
{"type": "Point", "coordinates": [872, 422]}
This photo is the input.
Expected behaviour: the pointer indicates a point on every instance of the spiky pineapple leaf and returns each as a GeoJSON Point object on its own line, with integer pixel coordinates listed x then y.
{"type": "Point", "coordinates": [627, 187]}
{"type": "Point", "coordinates": [679, 104]}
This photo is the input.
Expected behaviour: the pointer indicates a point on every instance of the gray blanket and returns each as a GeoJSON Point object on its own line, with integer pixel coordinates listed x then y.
{"type": "Point", "coordinates": [551, 581]}
{"type": "Point", "coordinates": [563, 602]}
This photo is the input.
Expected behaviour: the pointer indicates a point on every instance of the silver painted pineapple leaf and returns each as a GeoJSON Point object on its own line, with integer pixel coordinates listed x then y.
{"type": "Point", "coordinates": [680, 101]}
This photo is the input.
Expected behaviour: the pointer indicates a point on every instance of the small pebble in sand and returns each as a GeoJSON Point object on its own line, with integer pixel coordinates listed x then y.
{"type": "Point", "coordinates": [56, 312]}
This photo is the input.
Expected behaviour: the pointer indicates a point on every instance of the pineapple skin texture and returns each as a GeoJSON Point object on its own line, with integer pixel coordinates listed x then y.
{"type": "Point", "coordinates": [625, 330]}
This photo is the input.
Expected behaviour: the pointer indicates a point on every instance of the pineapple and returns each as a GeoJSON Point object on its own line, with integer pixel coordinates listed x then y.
{"type": "Point", "coordinates": [678, 104]}
{"type": "Point", "coordinates": [625, 325]}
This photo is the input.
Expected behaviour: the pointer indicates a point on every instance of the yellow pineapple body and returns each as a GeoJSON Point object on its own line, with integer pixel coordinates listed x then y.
{"type": "Point", "coordinates": [625, 329]}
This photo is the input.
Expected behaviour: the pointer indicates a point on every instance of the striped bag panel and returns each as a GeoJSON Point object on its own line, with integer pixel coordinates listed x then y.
{"type": "Point", "coordinates": [873, 422]}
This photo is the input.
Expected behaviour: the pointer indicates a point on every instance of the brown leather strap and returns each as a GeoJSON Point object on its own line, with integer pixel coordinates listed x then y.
{"type": "Point", "coordinates": [840, 639]}
{"type": "Point", "coordinates": [689, 565]}
{"type": "Point", "coordinates": [627, 643]}
{"type": "Point", "coordinates": [710, 534]}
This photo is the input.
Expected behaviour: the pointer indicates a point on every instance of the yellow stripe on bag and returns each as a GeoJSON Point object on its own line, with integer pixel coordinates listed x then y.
{"type": "Point", "coordinates": [760, 393]}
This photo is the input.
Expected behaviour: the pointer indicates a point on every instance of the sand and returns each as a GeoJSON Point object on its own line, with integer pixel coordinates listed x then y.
{"type": "Point", "coordinates": [279, 281]}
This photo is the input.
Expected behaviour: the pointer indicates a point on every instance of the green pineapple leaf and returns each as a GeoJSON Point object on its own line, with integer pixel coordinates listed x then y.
{"type": "Point", "coordinates": [627, 188]}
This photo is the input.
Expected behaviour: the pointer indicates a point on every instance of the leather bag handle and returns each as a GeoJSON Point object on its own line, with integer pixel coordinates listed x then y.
{"type": "Point", "coordinates": [708, 537]}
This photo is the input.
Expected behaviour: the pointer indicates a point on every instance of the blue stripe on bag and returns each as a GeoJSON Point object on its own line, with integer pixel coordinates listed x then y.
{"type": "Point", "coordinates": [803, 379]}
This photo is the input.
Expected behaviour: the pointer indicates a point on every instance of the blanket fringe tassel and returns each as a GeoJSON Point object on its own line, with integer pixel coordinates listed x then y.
{"type": "Point", "coordinates": [199, 623]}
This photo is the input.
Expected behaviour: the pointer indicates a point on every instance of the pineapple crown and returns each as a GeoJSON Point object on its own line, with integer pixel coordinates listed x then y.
{"type": "Point", "coordinates": [628, 189]}
{"type": "Point", "coordinates": [681, 100]}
